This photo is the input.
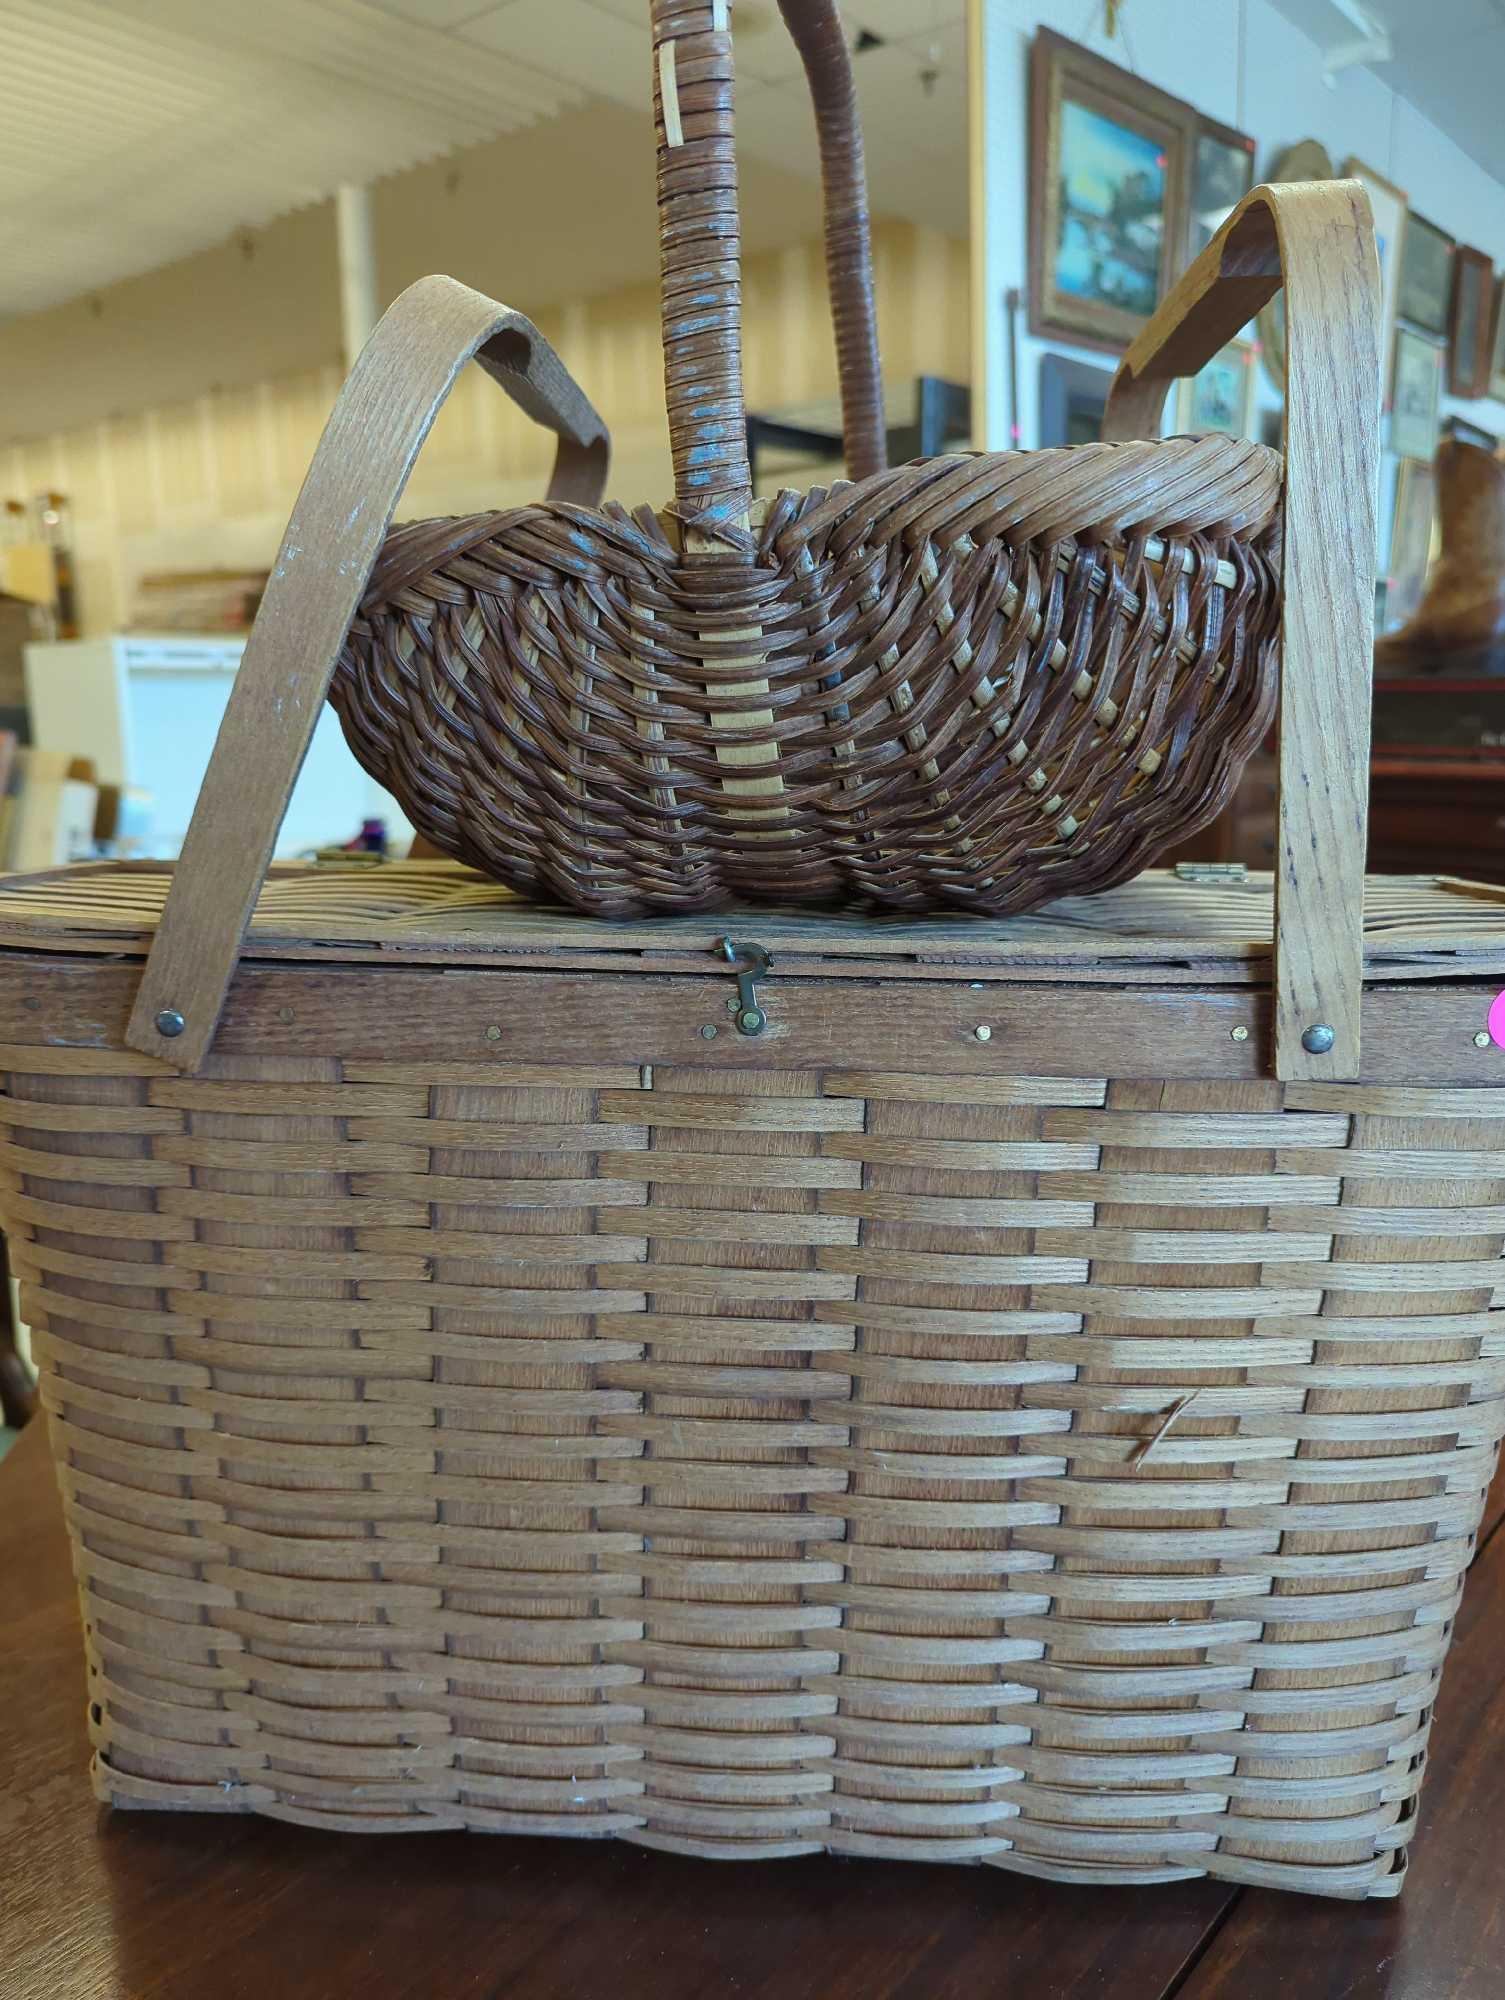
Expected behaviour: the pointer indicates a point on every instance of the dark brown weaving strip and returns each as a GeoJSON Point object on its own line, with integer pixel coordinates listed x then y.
{"type": "Point", "coordinates": [816, 28]}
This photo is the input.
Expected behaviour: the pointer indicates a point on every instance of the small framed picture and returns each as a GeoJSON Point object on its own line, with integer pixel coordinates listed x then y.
{"type": "Point", "coordinates": [1218, 397]}
{"type": "Point", "coordinates": [1222, 173]}
{"type": "Point", "coordinates": [1410, 540]}
{"type": "Point", "coordinates": [1073, 396]}
{"type": "Point", "coordinates": [1108, 179]}
{"type": "Point", "coordinates": [1389, 205]}
{"type": "Point", "coordinates": [1426, 275]}
{"type": "Point", "coordinates": [1415, 394]}
{"type": "Point", "coordinates": [1472, 323]}
{"type": "Point", "coordinates": [1497, 347]}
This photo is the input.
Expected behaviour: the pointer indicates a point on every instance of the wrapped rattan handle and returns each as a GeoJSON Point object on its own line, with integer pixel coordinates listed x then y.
{"type": "Point", "coordinates": [1317, 239]}
{"type": "Point", "coordinates": [816, 28]}
{"type": "Point", "coordinates": [383, 414]}
{"type": "Point", "coordinates": [700, 255]}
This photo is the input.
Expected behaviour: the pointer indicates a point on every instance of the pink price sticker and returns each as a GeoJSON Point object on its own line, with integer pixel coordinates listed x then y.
{"type": "Point", "coordinates": [1497, 1021]}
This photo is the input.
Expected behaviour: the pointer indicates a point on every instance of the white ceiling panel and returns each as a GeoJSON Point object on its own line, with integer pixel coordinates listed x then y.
{"type": "Point", "coordinates": [764, 47]}
{"type": "Point", "coordinates": [597, 50]}
{"type": "Point", "coordinates": [434, 13]}
{"type": "Point", "coordinates": [1448, 59]}
{"type": "Point", "coordinates": [903, 20]}
{"type": "Point", "coordinates": [912, 94]}
{"type": "Point", "coordinates": [134, 132]}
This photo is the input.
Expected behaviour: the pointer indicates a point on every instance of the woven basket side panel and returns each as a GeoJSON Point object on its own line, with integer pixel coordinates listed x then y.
{"type": "Point", "coordinates": [1074, 1476]}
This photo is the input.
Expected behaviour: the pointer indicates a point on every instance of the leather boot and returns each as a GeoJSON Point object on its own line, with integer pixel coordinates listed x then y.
{"type": "Point", "coordinates": [1459, 626]}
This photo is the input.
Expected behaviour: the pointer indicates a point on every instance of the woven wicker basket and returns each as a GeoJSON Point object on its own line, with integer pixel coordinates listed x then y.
{"type": "Point", "coordinates": [977, 682]}
{"type": "Point", "coordinates": [497, 1393]}
{"type": "Point", "coordinates": [1014, 1392]}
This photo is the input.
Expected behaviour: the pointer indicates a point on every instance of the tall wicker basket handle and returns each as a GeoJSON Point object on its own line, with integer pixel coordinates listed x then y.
{"type": "Point", "coordinates": [816, 28]}
{"type": "Point", "coordinates": [1316, 238]}
{"type": "Point", "coordinates": [383, 414]}
{"type": "Point", "coordinates": [700, 256]}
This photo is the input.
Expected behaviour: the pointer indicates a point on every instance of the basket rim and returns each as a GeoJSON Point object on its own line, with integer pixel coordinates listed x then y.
{"type": "Point", "coordinates": [1189, 925]}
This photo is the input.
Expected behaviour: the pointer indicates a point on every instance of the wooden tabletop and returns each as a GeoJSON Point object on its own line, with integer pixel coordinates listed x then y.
{"type": "Point", "coordinates": [96, 1905]}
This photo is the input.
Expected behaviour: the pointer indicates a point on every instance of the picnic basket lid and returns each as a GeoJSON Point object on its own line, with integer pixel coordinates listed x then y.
{"type": "Point", "coordinates": [1188, 928]}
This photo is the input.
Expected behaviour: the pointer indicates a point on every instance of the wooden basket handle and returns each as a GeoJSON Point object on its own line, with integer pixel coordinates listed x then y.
{"type": "Point", "coordinates": [384, 412]}
{"type": "Point", "coordinates": [700, 254]}
{"type": "Point", "coordinates": [1316, 238]}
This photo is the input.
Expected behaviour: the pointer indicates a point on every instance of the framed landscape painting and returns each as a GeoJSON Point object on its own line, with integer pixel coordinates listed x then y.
{"type": "Point", "coordinates": [1109, 165]}
{"type": "Point", "coordinates": [1472, 319]}
{"type": "Point", "coordinates": [1416, 395]}
{"type": "Point", "coordinates": [1221, 167]}
{"type": "Point", "coordinates": [1426, 275]}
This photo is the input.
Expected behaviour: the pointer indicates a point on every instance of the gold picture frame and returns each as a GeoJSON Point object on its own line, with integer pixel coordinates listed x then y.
{"type": "Point", "coordinates": [1415, 402]}
{"type": "Point", "coordinates": [1109, 165]}
{"type": "Point", "coordinates": [1411, 533]}
{"type": "Point", "coordinates": [1497, 347]}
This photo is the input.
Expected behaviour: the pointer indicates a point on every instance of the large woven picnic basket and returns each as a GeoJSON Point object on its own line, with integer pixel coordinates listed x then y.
{"type": "Point", "coordinates": [984, 1416]}
{"type": "Point", "coordinates": [1009, 1391]}
{"type": "Point", "coordinates": [971, 681]}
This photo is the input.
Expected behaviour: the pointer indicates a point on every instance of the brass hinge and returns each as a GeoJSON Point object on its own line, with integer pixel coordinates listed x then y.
{"type": "Point", "coordinates": [1211, 871]}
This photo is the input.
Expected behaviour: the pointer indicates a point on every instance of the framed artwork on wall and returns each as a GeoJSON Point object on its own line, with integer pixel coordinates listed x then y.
{"type": "Point", "coordinates": [1108, 183]}
{"type": "Point", "coordinates": [1497, 346]}
{"type": "Point", "coordinates": [1221, 167]}
{"type": "Point", "coordinates": [1219, 396]}
{"type": "Point", "coordinates": [1426, 275]}
{"type": "Point", "coordinates": [1389, 205]}
{"type": "Point", "coordinates": [1073, 395]}
{"type": "Point", "coordinates": [1410, 540]}
{"type": "Point", "coordinates": [1472, 315]}
{"type": "Point", "coordinates": [1415, 394]}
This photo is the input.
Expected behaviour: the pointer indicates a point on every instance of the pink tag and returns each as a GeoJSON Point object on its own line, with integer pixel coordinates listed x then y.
{"type": "Point", "coordinates": [1497, 1021]}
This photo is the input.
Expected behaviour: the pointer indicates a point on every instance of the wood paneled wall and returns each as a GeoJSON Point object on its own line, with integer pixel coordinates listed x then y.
{"type": "Point", "coordinates": [210, 481]}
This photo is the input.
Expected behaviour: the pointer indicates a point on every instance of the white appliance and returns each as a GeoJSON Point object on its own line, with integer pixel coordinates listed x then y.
{"type": "Point", "coordinates": [146, 710]}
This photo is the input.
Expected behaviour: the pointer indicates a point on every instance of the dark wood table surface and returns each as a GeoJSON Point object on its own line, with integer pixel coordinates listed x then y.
{"type": "Point", "coordinates": [100, 1905]}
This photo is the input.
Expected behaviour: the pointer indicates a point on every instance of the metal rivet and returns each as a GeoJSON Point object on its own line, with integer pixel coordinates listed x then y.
{"type": "Point", "coordinates": [284, 1013]}
{"type": "Point", "coordinates": [984, 1033]}
{"type": "Point", "coordinates": [1318, 1039]}
{"type": "Point", "coordinates": [170, 1022]}
{"type": "Point", "coordinates": [751, 1021]}
{"type": "Point", "coordinates": [1238, 1034]}
{"type": "Point", "coordinates": [708, 1033]}
{"type": "Point", "coordinates": [1481, 1040]}
{"type": "Point", "coordinates": [493, 1033]}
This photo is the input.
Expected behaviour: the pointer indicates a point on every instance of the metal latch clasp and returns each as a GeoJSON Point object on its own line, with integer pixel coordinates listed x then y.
{"type": "Point", "coordinates": [750, 962]}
